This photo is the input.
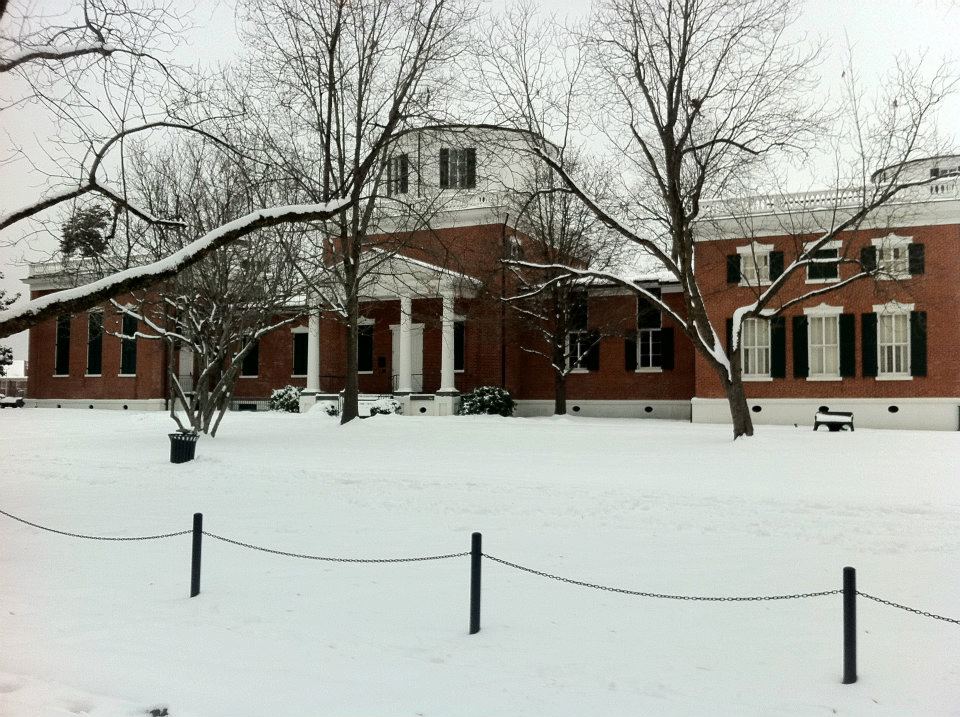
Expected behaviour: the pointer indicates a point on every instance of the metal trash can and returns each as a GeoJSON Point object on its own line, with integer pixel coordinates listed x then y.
{"type": "Point", "coordinates": [183, 447]}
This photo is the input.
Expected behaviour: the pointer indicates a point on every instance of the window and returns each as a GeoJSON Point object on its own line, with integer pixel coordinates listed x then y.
{"type": "Point", "coordinates": [459, 335]}
{"type": "Point", "coordinates": [301, 341]}
{"type": "Point", "coordinates": [756, 268]}
{"type": "Point", "coordinates": [578, 339]}
{"type": "Point", "coordinates": [128, 346]}
{"type": "Point", "coordinates": [823, 269]}
{"type": "Point", "coordinates": [62, 357]}
{"type": "Point", "coordinates": [365, 348]}
{"type": "Point", "coordinates": [893, 260]}
{"type": "Point", "coordinates": [458, 168]}
{"type": "Point", "coordinates": [649, 321]}
{"type": "Point", "coordinates": [580, 346]}
{"type": "Point", "coordinates": [755, 336]}
{"type": "Point", "coordinates": [94, 343]}
{"type": "Point", "coordinates": [893, 344]}
{"type": "Point", "coordinates": [251, 361]}
{"type": "Point", "coordinates": [893, 256]}
{"type": "Point", "coordinates": [398, 174]}
{"type": "Point", "coordinates": [824, 346]}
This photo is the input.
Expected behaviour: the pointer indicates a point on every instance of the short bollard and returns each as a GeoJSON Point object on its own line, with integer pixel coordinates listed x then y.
{"type": "Point", "coordinates": [195, 562]}
{"type": "Point", "coordinates": [476, 555]}
{"type": "Point", "coordinates": [849, 626]}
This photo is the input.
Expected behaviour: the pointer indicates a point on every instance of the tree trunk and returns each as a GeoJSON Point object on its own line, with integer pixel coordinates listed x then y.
{"type": "Point", "coordinates": [559, 394]}
{"type": "Point", "coordinates": [737, 398]}
{"type": "Point", "coordinates": [351, 388]}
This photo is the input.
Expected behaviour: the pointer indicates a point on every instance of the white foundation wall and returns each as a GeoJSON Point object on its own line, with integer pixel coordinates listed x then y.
{"type": "Point", "coordinates": [117, 404]}
{"type": "Point", "coordinates": [932, 414]}
{"type": "Point", "coordinates": [668, 410]}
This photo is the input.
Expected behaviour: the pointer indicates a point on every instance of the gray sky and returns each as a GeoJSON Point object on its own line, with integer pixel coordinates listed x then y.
{"type": "Point", "coordinates": [878, 31]}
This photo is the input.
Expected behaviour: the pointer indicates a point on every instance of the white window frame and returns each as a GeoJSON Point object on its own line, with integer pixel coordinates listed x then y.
{"type": "Point", "coordinates": [893, 309]}
{"type": "Point", "coordinates": [750, 256]}
{"type": "Point", "coordinates": [821, 312]}
{"type": "Point", "coordinates": [893, 241]}
{"type": "Point", "coordinates": [745, 374]}
{"type": "Point", "coordinates": [364, 321]}
{"type": "Point", "coordinates": [571, 363]}
{"type": "Point", "coordinates": [836, 245]}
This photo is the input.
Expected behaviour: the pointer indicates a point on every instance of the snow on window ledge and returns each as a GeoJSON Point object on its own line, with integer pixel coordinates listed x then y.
{"type": "Point", "coordinates": [824, 378]}
{"type": "Point", "coordinates": [649, 369]}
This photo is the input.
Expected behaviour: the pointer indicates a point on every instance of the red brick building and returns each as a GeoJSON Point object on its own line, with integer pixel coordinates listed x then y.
{"type": "Point", "coordinates": [434, 326]}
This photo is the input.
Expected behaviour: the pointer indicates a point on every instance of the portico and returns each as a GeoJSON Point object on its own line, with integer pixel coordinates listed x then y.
{"type": "Point", "coordinates": [401, 279]}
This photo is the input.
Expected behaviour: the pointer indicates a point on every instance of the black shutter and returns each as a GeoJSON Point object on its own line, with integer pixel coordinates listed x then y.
{"type": "Point", "coordinates": [801, 362]}
{"type": "Point", "coordinates": [729, 337]}
{"type": "Point", "coordinates": [630, 353]}
{"type": "Point", "coordinates": [776, 265]}
{"type": "Point", "coordinates": [390, 191]}
{"type": "Point", "coordinates": [471, 168]}
{"type": "Point", "coordinates": [868, 343]}
{"type": "Point", "coordinates": [868, 258]}
{"type": "Point", "coordinates": [666, 348]}
{"type": "Point", "coordinates": [592, 359]}
{"type": "Point", "coordinates": [444, 168]}
{"type": "Point", "coordinates": [94, 343]}
{"type": "Point", "coordinates": [916, 258]}
{"type": "Point", "coordinates": [404, 173]}
{"type": "Point", "coordinates": [128, 347]}
{"type": "Point", "coordinates": [918, 343]}
{"type": "Point", "coordinates": [62, 358]}
{"type": "Point", "coordinates": [778, 347]}
{"type": "Point", "coordinates": [733, 268]}
{"type": "Point", "coordinates": [848, 343]}
{"type": "Point", "coordinates": [459, 343]}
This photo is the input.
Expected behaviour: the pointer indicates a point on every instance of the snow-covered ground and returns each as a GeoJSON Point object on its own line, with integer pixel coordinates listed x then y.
{"type": "Point", "coordinates": [106, 628]}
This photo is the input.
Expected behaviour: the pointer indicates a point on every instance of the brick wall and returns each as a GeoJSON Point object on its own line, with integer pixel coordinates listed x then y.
{"type": "Point", "coordinates": [935, 292]}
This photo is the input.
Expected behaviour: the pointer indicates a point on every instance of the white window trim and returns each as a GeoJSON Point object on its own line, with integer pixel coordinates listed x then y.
{"type": "Point", "coordinates": [364, 321]}
{"type": "Point", "coordinates": [570, 360]}
{"type": "Point", "coordinates": [834, 244]}
{"type": "Point", "coordinates": [894, 308]}
{"type": "Point", "coordinates": [748, 252]}
{"type": "Point", "coordinates": [651, 369]}
{"type": "Point", "coordinates": [129, 375]}
{"type": "Point", "coordinates": [892, 241]}
{"type": "Point", "coordinates": [820, 311]}
{"type": "Point", "coordinates": [766, 315]}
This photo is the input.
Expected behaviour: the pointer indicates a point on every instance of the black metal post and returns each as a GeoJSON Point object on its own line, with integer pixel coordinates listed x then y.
{"type": "Point", "coordinates": [195, 562]}
{"type": "Point", "coordinates": [849, 626]}
{"type": "Point", "coordinates": [476, 555]}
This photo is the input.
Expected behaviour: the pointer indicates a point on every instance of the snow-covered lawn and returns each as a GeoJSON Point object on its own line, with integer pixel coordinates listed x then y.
{"type": "Point", "coordinates": [106, 628]}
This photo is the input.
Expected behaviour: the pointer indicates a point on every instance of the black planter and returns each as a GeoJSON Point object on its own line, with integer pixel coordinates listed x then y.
{"type": "Point", "coordinates": [183, 447]}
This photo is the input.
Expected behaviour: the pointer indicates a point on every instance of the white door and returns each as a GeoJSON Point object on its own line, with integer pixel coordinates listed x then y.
{"type": "Point", "coordinates": [416, 360]}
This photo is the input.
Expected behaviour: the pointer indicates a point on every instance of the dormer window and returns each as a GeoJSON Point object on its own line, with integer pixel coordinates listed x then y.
{"type": "Point", "coordinates": [398, 175]}
{"type": "Point", "coordinates": [458, 168]}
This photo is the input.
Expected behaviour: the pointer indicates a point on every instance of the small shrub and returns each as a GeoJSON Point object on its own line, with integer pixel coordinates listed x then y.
{"type": "Point", "coordinates": [331, 409]}
{"type": "Point", "coordinates": [487, 400]}
{"type": "Point", "coordinates": [286, 399]}
{"type": "Point", "coordinates": [386, 406]}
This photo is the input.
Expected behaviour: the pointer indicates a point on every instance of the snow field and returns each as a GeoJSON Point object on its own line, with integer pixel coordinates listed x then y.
{"type": "Point", "coordinates": [89, 627]}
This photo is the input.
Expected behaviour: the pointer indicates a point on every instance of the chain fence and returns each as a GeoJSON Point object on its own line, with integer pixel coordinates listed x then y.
{"type": "Point", "coordinates": [93, 537]}
{"type": "Point", "coordinates": [493, 558]}
{"type": "Point", "coordinates": [307, 556]}
{"type": "Point", "coordinates": [914, 610]}
{"type": "Point", "coordinates": [664, 596]}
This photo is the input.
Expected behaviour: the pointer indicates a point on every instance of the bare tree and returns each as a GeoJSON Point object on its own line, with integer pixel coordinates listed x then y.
{"type": "Point", "coordinates": [698, 97]}
{"type": "Point", "coordinates": [556, 228]}
{"type": "Point", "coordinates": [333, 85]}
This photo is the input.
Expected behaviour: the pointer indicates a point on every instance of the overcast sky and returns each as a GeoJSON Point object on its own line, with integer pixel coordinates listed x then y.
{"type": "Point", "coordinates": [878, 31]}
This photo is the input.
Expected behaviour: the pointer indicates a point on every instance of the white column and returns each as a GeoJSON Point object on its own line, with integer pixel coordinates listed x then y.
{"type": "Point", "coordinates": [447, 381]}
{"type": "Point", "coordinates": [404, 379]}
{"type": "Point", "coordinates": [313, 352]}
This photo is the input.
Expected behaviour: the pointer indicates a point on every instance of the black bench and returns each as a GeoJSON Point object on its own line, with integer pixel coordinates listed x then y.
{"type": "Point", "coordinates": [833, 420]}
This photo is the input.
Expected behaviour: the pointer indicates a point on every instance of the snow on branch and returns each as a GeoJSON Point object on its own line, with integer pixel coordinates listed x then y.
{"type": "Point", "coordinates": [83, 297]}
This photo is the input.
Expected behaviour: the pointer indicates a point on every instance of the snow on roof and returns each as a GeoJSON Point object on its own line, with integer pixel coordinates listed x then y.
{"type": "Point", "coordinates": [403, 258]}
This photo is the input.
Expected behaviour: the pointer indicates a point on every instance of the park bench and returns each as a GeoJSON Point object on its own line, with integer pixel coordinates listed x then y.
{"type": "Point", "coordinates": [833, 420]}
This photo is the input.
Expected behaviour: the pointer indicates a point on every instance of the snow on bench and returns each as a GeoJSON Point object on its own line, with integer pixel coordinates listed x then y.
{"type": "Point", "coordinates": [833, 420]}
